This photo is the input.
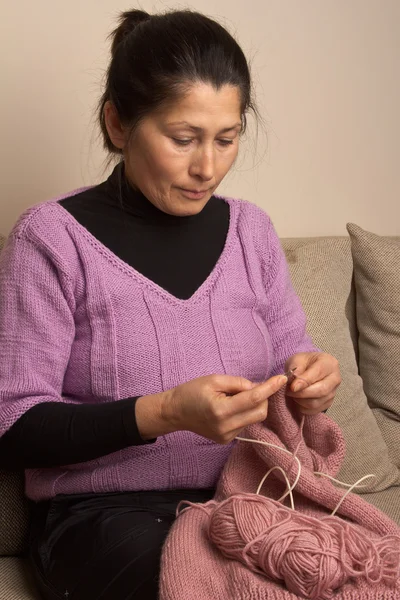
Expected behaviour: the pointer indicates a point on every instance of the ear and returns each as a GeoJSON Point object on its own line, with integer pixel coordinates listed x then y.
{"type": "Point", "coordinates": [115, 130]}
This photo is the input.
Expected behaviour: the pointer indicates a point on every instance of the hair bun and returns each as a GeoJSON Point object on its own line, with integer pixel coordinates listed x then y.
{"type": "Point", "coordinates": [128, 21]}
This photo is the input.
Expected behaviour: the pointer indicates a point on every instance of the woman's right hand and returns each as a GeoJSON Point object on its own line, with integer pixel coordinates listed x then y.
{"type": "Point", "coordinates": [218, 407]}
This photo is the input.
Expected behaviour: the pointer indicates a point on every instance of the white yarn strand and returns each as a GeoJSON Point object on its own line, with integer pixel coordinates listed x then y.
{"type": "Point", "coordinates": [290, 488]}
{"type": "Point", "coordinates": [342, 482]}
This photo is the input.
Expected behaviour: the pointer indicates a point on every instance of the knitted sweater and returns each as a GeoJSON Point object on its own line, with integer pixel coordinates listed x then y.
{"type": "Point", "coordinates": [167, 249]}
{"type": "Point", "coordinates": [77, 324]}
{"type": "Point", "coordinates": [287, 544]}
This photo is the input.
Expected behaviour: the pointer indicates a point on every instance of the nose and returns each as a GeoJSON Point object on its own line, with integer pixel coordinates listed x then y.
{"type": "Point", "coordinates": [203, 164]}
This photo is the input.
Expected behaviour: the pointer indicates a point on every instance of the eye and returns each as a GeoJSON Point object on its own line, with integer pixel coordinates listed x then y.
{"type": "Point", "coordinates": [186, 142]}
{"type": "Point", "coordinates": [181, 142]}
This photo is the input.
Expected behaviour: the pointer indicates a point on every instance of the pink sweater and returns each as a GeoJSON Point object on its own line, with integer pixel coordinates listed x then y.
{"type": "Point", "coordinates": [77, 324]}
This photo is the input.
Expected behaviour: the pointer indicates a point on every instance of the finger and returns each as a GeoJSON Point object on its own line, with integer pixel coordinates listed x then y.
{"type": "Point", "coordinates": [314, 407]}
{"type": "Point", "coordinates": [238, 422]}
{"type": "Point", "coordinates": [315, 403]}
{"type": "Point", "coordinates": [244, 401]}
{"type": "Point", "coordinates": [319, 389]}
{"type": "Point", "coordinates": [229, 384]}
{"type": "Point", "coordinates": [302, 361]}
{"type": "Point", "coordinates": [322, 367]}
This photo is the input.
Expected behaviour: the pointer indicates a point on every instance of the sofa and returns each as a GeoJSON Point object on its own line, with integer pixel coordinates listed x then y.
{"type": "Point", "coordinates": [350, 290]}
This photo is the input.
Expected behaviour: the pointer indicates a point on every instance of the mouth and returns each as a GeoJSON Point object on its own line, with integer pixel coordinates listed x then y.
{"type": "Point", "coordinates": [196, 194]}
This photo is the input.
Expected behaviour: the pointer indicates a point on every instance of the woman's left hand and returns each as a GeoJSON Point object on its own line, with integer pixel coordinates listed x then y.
{"type": "Point", "coordinates": [318, 377]}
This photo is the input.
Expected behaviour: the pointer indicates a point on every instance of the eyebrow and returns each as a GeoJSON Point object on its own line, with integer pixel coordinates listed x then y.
{"type": "Point", "coordinates": [199, 129]}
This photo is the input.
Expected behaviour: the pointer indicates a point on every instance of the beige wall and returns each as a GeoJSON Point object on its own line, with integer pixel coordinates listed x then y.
{"type": "Point", "coordinates": [328, 85]}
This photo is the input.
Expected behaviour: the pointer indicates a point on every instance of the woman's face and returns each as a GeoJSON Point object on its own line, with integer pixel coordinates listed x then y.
{"type": "Point", "coordinates": [179, 154]}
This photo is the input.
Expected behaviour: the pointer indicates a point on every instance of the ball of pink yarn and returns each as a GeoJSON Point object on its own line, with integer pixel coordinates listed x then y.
{"type": "Point", "coordinates": [312, 557]}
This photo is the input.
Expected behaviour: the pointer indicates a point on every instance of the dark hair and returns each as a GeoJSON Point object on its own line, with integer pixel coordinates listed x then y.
{"type": "Point", "coordinates": [155, 58]}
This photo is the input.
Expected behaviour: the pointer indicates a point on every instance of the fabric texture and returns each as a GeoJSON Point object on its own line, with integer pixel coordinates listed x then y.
{"type": "Point", "coordinates": [108, 546]}
{"type": "Point", "coordinates": [74, 432]}
{"type": "Point", "coordinates": [377, 279]}
{"type": "Point", "coordinates": [16, 581]}
{"type": "Point", "coordinates": [79, 325]}
{"type": "Point", "coordinates": [192, 567]}
{"type": "Point", "coordinates": [14, 513]}
{"type": "Point", "coordinates": [388, 501]}
{"type": "Point", "coordinates": [322, 271]}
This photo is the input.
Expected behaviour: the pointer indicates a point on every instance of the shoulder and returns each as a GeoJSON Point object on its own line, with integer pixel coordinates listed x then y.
{"type": "Point", "coordinates": [259, 238]}
{"type": "Point", "coordinates": [48, 228]}
{"type": "Point", "coordinates": [43, 217]}
{"type": "Point", "coordinates": [249, 215]}
{"type": "Point", "coordinates": [253, 223]}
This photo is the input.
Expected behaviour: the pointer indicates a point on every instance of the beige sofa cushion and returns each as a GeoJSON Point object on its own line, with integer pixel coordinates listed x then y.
{"type": "Point", "coordinates": [377, 277]}
{"type": "Point", "coordinates": [321, 271]}
{"type": "Point", "coordinates": [388, 501]}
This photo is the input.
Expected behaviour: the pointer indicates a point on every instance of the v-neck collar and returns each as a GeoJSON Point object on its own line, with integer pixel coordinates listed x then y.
{"type": "Point", "coordinates": [202, 291]}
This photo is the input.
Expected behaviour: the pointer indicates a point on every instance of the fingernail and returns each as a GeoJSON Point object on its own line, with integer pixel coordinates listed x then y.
{"type": "Point", "coordinates": [282, 380]}
{"type": "Point", "coordinates": [299, 385]}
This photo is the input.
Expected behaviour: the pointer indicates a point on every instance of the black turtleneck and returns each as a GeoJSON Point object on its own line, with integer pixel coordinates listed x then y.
{"type": "Point", "coordinates": [177, 253]}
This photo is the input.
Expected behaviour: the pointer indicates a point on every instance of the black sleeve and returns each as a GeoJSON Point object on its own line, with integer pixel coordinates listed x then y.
{"type": "Point", "coordinates": [52, 434]}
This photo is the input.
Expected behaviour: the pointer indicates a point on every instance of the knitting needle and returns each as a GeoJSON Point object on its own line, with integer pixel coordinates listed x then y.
{"type": "Point", "coordinates": [290, 375]}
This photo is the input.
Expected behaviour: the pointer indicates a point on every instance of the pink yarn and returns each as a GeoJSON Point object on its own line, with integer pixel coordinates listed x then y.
{"type": "Point", "coordinates": [250, 546]}
{"type": "Point", "coordinates": [313, 557]}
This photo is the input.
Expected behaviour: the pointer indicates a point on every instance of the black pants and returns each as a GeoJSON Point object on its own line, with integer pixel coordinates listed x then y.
{"type": "Point", "coordinates": [103, 546]}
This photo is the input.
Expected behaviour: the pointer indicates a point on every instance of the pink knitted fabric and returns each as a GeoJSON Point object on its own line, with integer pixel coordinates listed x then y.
{"type": "Point", "coordinates": [193, 568]}
{"type": "Point", "coordinates": [78, 324]}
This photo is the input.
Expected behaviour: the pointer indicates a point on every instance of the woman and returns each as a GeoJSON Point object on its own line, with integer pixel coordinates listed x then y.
{"type": "Point", "coordinates": [139, 317]}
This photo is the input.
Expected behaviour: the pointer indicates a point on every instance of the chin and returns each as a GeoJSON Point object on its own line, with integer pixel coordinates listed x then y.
{"type": "Point", "coordinates": [186, 207]}
{"type": "Point", "coordinates": [192, 208]}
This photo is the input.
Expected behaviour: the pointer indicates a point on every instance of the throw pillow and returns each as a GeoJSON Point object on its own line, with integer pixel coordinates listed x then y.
{"type": "Point", "coordinates": [321, 271]}
{"type": "Point", "coordinates": [377, 278]}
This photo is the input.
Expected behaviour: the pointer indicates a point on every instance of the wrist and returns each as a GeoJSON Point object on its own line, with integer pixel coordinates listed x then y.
{"type": "Point", "coordinates": [153, 417]}
{"type": "Point", "coordinates": [169, 412]}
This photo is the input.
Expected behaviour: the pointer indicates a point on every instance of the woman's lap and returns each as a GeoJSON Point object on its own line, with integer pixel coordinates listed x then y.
{"type": "Point", "coordinates": [103, 547]}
